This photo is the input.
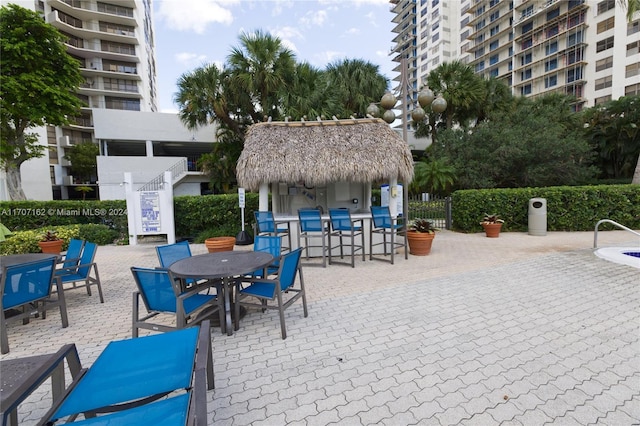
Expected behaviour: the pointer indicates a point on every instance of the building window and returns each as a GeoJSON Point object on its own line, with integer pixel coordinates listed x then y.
{"type": "Point", "coordinates": [464, 22]}
{"type": "Point", "coordinates": [435, 38]}
{"type": "Point", "coordinates": [574, 74]}
{"type": "Point", "coordinates": [510, 52]}
{"type": "Point", "coordinates": [510, 67]}
{"type": "Point", "coordinates": [632, 90]}
{"type": "Point", "coordinates": [480, 25]}
{"type": "Point", "coordinates": [115, 10]}
{"type": "Point", "coordinates": [122, 103]}
{"type": "Point", "coordinates": [604, 64]}
{"type": "Point", "coordinates": [633, 27]}
{"type": "Point", "coordinates": [479, 66]}
{"type": "Point", "coordinates": [493, 3]}
{"type": "Point", "coordinates": [604, 82]}
{"type": "Point", "coordinates": [527, 43]}
{"type": "Point", "coordinates": [631, 70]}
{"type": "Point", "coordinates": [552, 31]}
{"type": "Point", "coordinates": [494, 45]}
{"type": "Point", "coordinates": [122, 48]}
{"type": "Point", "coordinates": [605, 25]}
{"type": "Point", "coordinates": [551, 64]}
{"type": "Point", "coordinates": [525, 75]}
{"type": "Point", "coordinates": [632, 48]}
{"type": "Point", "coordinates": [435, 26]}
{"type": "Point", "coordinates": [527, 27]}
{"type": "Point", "coordinates": [574, 38]}
{"type": "Point", "coordinates": [574, 56]}
{"type": "Point", "coordinates": [110, 27]}
{"type": "Point", "coordinates": [551, 48]}
{"type": "Point", "coordinates": [525, 90]}
{"type": "Point", "coordinates": [605, 44]}
{"type": "Point", "coordinates": [495, 30]}
{"type": "Point", "coordinates": [117, 66]}
{"type": "Point", "coordinates": [493, 73]}
{"type": "Point", "coordinates": [120, 85]}
{"type": "Point", "coordinates": [493, 59]}
{"type": "Point", "coordinates": [479, 53]}
{"type": "Point", "coordinates": [550, 81]}
{"type": "Point", "coordinates": [606, 5]}
{"type": "Point", "coordinates": [575, 20]}
{"type": "Point", "coordinates": [495, 15]}
{"type": "Point", "coordinates": [526, 59]}
{"type": "Point", "coordinates": [602, 100]}
{"type": "Point", "coordinates": [552, 14]}
{"type": "Point", "coordinates": [527, 12]}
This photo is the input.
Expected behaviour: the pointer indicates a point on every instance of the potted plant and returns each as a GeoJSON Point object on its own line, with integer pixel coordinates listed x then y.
{"type": "Point", "coordinates": [216, 244]}
{"type": "Point", "coordinates": [420, 236]}
{"type": "Point", "coordinates": [50, 243]}
{"type": "Point", "coordinates": [492, 225]}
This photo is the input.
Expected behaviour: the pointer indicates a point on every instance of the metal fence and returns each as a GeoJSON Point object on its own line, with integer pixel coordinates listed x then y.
{"type": "Point", "coordinates": [436, 210]}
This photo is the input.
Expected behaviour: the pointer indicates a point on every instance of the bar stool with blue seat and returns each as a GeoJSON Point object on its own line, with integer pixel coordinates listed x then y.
{"type": "Point", "coordinates": [345, 228]}
{"type": "Point", "coordinates": [311, 228]}
{"type": "Point", "coordinates": [267, 225]}
{"type": "Point", "coordinates": [389, 227]}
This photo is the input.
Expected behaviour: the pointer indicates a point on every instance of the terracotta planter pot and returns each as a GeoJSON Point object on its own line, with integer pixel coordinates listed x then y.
{"type": "Point", "coordinates": [216, 244]}
{"type": "Point", "coordinates": [420, 243]}
{"type": "Point", "coordinates": [52, 247]}
{"type": "Point", "coordinates": [492, 230]}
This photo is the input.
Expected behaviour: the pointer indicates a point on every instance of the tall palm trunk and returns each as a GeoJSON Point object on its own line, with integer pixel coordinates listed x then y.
{"type": "Point", "coordinates": [636, 174]}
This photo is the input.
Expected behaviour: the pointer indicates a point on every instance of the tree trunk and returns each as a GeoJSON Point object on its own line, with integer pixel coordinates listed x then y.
{"type": "Point", "coordinates": [636, 174]}
{"type": "Point", "coordinates": [14, 184]}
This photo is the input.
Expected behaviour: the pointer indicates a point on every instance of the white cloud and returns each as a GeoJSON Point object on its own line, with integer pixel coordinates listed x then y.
{"type": "Point", "coordinates": [314, 18]}
{"type": "Point", "coordinates": [287, 35]}
{"type": "Point", "coordinates": [329, 56]}
{"type": "Point", "coordinates": [195, 15]}
{"type": "Point", "coordinates": [188, 59]}
{"type": "Point", "coordinates": [352, 31]}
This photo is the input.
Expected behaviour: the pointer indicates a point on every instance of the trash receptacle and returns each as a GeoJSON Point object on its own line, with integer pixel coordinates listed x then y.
{"type": "Point", "coordinates": [538, 216]}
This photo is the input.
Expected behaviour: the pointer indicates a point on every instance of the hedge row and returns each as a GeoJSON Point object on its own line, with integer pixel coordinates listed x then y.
{"type": "Point", "coordinates": [569, 208]}
{"type": "Point", "coordinates": [200, 217]}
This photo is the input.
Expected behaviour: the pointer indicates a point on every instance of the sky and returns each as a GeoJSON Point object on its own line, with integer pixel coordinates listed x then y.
{"type": "Point", "coordinates": [192, 33]}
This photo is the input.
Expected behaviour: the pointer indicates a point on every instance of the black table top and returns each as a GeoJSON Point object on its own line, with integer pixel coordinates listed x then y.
{"type": "Point", "coordinates": [16, 259]}
{"type": "Point", "coordinates": [221, 264]}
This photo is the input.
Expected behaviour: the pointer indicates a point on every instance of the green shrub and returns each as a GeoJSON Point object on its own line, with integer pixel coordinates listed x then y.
{"type": "Point", "coordinates": [569, 208]}
{"type": "Point", "coordinates": [99, 234]}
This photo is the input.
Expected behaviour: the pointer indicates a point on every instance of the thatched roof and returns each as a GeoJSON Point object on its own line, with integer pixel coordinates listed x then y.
{"type": "Point", "coordinates": [318, 152]}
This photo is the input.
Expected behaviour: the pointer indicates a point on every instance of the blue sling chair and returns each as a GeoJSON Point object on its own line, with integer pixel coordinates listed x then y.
{"type": "Point", "coordinates": [273, 290]}
{"type": "Point", "coordinates": [389, 228]}
{"type": "Point", "coordinates": [152, 380]}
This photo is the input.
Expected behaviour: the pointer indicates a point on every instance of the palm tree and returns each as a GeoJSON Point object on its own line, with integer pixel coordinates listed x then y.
{"type": "Point", "coordinates": [355, 83]}
{"type": "Point", "coordinates": [461, 88]}
{"type": "Point", "coordinates": [498, 97]}
{"type": "Point", "coordinates": [433, 174]}
{"type": "Point", "coordinates": [308, 94]}
{"type": "Point", "coordinates": [632, 7]}
{"type": "Point", "coordinates": [262, 68]}
{"type": "Point", "coordinates": [203, 98]}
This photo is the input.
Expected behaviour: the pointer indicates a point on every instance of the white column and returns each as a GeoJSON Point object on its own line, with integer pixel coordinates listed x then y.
{"type": "Point", "coordinates": [131, 208]}
{"type": "Point", "coordinates": [149, 148]}
{"type": "Point", "coordinates": [263, 200]}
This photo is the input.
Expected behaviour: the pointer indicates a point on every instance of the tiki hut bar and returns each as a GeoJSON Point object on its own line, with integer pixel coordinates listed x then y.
{"type": "Point", "coordinates": [323, 163]}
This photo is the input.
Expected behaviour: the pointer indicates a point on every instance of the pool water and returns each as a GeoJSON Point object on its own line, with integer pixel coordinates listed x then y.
{"type": "Point", "coordinates": [623, 255]}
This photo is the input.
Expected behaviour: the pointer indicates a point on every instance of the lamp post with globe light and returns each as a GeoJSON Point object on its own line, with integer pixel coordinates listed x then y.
{"type": "Point", "coordinates": [426, 99]}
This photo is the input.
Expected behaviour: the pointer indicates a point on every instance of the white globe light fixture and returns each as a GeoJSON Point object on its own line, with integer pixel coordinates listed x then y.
{"type": "Point", "coordinates": [439, 105]}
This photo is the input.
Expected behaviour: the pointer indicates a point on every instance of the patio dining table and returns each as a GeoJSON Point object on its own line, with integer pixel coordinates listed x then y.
{"type": "Point", "coordinates": [224, 265]}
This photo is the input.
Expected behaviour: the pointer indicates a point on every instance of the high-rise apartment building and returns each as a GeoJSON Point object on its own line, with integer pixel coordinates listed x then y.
{"type": "Point", "coordinates": [583, 48]}
{"type": "Point", "coordinates": [114, 43]}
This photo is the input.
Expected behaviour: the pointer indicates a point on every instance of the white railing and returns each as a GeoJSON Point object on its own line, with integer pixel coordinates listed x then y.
{"type": "Point", "coordinates": [595, 232]}
{"type": "Point", "coordinates": [157, 183]}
